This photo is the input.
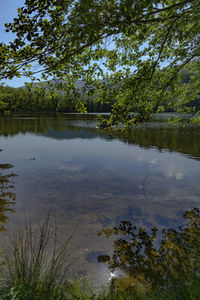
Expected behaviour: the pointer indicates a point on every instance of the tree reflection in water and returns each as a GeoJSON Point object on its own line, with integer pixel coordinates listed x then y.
{"type": "Point", "coordinates": [7, 197]}
{"type": "Point", "coordinates": [147, 264]}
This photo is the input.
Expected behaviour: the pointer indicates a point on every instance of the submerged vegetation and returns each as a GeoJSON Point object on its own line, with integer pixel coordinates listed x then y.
{"type": "Point", "coordinates": [153, 266]}
{"type": "Point", "coordinates": [7, 197]}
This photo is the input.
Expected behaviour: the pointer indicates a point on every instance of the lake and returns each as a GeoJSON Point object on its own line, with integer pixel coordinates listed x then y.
{"type": "Point", "coordinates": [64, 165]}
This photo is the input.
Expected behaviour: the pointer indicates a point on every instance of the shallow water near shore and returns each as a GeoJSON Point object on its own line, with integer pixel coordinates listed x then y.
{"type": "Point", "coordinates": [64, 165]}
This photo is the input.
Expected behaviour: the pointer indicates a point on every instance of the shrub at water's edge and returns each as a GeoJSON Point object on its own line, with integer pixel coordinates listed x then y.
{"type": "Point", "coordinates": [155, 265]}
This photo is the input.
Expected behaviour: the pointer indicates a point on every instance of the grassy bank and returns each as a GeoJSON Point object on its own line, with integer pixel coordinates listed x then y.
{"type": "Point", "coordinates": [35, 267]}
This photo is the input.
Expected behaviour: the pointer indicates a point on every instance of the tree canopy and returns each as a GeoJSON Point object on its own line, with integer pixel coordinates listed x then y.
{"type": "Point", "coordinates": [129, 53]}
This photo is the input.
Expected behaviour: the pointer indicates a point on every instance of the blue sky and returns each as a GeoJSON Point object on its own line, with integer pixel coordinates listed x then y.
{"type": "Point", "coordinates": [8, 11]}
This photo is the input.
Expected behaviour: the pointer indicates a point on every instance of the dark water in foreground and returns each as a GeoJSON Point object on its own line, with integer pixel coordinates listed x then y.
{"type": "Point", "coordinates": [90, 180]}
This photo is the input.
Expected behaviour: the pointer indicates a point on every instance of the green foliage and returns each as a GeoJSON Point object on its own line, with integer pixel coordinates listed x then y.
{"type": "Point", "coordinates": [45, 99]}
{"type": "Point", "coordinates": [35, 267]}
{"type": "Point", "coordinates": [171, 269]}
{"type": "Point", "coordinates": [131, 51]}
{"type": "Point", "coordinates": [29, 100]}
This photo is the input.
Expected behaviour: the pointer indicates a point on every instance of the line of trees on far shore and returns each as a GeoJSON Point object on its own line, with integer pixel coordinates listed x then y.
{"type": "Point", "coordinates": [42, 99]}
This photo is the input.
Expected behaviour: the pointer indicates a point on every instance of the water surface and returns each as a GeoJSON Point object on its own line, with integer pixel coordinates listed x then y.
{"type": "Point", "coordinates": [90, 180]}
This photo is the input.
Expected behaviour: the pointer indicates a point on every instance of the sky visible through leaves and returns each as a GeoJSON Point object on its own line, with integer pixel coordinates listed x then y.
{"type": "Point", "coordinates": [8, 11]}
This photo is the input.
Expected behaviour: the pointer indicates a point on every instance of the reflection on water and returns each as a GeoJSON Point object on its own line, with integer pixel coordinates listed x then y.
{"type": "Point", "coordinates": [71, 126]}
{"type": "Point", "coordinates": [142, 260]}
{"type": "Point", "coordinates": [92, 180]}
{"type": "Point", "coordinates": [7, 197]}
{"type": "Point", "coordinates": [183, 140]}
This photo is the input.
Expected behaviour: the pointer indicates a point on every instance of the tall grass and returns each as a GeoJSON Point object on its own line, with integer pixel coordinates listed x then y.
{"type": "Point", "coordinates": [35, 265]}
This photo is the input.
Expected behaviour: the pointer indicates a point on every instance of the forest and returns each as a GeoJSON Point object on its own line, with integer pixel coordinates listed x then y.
{"type": "Point", "coordinates": [41, 99]}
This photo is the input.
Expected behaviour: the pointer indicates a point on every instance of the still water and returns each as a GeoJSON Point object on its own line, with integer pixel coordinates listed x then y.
{"type": "Point", "coordinates": [62, 163]}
